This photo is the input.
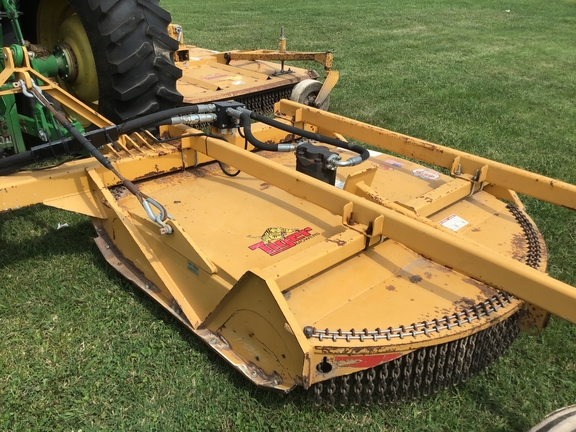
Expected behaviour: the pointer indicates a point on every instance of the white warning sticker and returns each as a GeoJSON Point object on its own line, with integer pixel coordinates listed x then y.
{"type": "Point", "coordinates": [453, 222]}
{"type": "Point", "coordinates": [426, 174]}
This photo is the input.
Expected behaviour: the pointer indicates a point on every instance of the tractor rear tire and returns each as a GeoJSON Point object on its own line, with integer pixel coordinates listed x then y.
{"type": "Point", "coordinates": [133, 53]}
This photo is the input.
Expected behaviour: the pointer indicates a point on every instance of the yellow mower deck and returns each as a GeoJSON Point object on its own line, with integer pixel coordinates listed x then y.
{"type": "Point", "coordinates": [263, 232]}
{"type": "Point", "coordinates": [400, 276]}
{"type": "Point", "coordinates": [207, 76]}
{"type": "Point", "coordinates": [258, 78]}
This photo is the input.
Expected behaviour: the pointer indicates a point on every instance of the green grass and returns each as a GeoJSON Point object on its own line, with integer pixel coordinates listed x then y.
{"type": "Point", "coordinates": [80, 348]}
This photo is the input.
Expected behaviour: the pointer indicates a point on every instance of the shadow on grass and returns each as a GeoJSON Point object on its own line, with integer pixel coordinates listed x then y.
{"type": "Point", "coordinates": [32, 233]}
{"type": "Point", "coordinates": [485, 400]}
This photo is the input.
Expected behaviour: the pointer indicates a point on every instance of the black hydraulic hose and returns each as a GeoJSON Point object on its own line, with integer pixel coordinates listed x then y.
{"type": "Point", "coordinates": [91, 140]}
{"type": "Point", "coordinates": [364, 153]}
{"type": "Point", "coordinates": [49, 151]}
{"type": "Point", "coordinates": [43, 152]}
{"type": "Point", "coordinates": [88, 146]}
{"type": "Point", "coordinates": [245, 117]}
{"type": "Point", "coordinates": [11, 164]}
{"type": "Point", "coordinates": [156, 117]}
{"type": "Point", "coordinates": [81, 139]}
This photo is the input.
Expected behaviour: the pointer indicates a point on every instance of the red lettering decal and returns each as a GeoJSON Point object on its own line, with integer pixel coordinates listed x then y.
{"type": "Point", "coordinates": [294, 237]}
{"type": "Point", "coordinates": [284, 244]}
{"type": "Point", "coordinates": [274, 246]}
{"type": "Point", "coordinates": [278, 246]}
{"type": "Point", "coordinates": [289, 241]}
{"type": "Point", "coordinates": [262, 246]}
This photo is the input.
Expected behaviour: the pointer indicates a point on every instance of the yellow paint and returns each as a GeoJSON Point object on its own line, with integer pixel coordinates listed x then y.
{"type": "Point", "coordinates": [255, 259]}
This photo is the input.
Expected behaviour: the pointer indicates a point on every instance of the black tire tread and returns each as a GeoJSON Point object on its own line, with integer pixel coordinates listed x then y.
{"type": "Point", "coordinates": [133, 54]}
{"type": "Point", "coordinates": [132, 36]}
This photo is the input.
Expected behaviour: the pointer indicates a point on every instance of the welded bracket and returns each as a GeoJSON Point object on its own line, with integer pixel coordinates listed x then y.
{"type": "Point", "coordinates": [28, 74]}
{"type": "Point", "coordinates": [329, 83]}
{"type": "Point", "coordinates": [373, 232]}
{"type": "Point", "coordinates": [478, 180]}
{"type": "Point", "coordinates": [533, 319]}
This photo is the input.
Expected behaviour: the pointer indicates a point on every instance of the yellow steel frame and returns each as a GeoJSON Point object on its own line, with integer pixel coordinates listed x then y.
{"type": "Point", "coordinates": [480, 172]}
{"type": "Point", "coordinates": [25, 72]}
{"type": "Point", "coordinates": [431, 240]}
{"type": "Point", "coordinates": [366, 219]}
{"type": "Point", "coordinates": [326, 59]}
{"type": "Point", "coordinates": [403, 222]}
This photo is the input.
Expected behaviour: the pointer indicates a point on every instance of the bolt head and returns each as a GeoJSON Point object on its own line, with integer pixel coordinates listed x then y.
{"type": "Point", "coordinates": [308, 331]}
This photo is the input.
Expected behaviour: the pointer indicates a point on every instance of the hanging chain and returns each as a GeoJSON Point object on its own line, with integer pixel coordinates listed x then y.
{"type": "Point", "coordinates": [395, 381]}
{"type": "Point", "coordinates": [369, 389]}
{"type": "Point", "coordinates": [344, 390]}
{"type": "Point", "coordinates": [382, 383]}
{"type": "Point", "coordinates": [430, 369]}
{"type": "Point", "coordinates": [406, 375]}
{"type": "Point", "coordinates": [418, 373]}
{"type": "Point", "coordinates": [330, 390]}
{"type": "Point", "coordinates": [357, 389]}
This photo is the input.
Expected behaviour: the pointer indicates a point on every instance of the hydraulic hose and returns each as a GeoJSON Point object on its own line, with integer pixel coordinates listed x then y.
{"type": "Point", "coordinates": [50, 150]}
{"type": "Point", "coordinates": [98, 137]}
{"type": "Point", "coordinates": [247, 115]}
{"type": "Point", "coordinates": [163, 117]}
{"type": "Point", "coordinates": [11, 164]}
{"type": "Point", "coordinates": [246, 123]}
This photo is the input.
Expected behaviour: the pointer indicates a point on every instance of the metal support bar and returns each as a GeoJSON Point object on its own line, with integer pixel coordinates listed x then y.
{"type": "Point", "coordinates": [433, 242]}
{"type": "Point", "coordinates": [506, 176]}
{"type": "Point", "coordinates": [329, 83]}
{"type": "Point", "coordinates": [27, 73]}
{"type": "Point", "coordinates": [324, 58]}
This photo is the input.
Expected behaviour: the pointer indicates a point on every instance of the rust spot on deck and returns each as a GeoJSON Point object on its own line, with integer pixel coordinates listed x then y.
{"type": "Point", "coordinates": [415, 279]}
{"type": "Point", "coordinates": [288, 138]}
{"type": "Point", "coordinates": [150, 174]}
{"type": "Point", "coordinates": [391, 288]}
{"type": "Point", "coordinates": [484, 289]}
{"type": "Point", "coordinates": [519, 249]}
{"type": "Point", "coordinates": [337, 241]}
{"type": "Point", "coordinates": [205, 170]}
{"type": "Point", "coordinates": [464, 303]}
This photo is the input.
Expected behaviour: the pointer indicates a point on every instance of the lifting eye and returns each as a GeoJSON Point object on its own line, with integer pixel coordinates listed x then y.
{"type": "Point", "coordinates": [324, 366]}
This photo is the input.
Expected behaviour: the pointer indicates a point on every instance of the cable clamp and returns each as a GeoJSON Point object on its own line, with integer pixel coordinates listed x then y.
{"type": "Point", "coordinates": [159, 218]}
{"type": "Point", "coordinates": [25, 92]}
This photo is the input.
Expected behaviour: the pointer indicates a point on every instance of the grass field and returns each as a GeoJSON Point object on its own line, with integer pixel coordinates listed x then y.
{"type": "Point", "coordinates": [82, 349]}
